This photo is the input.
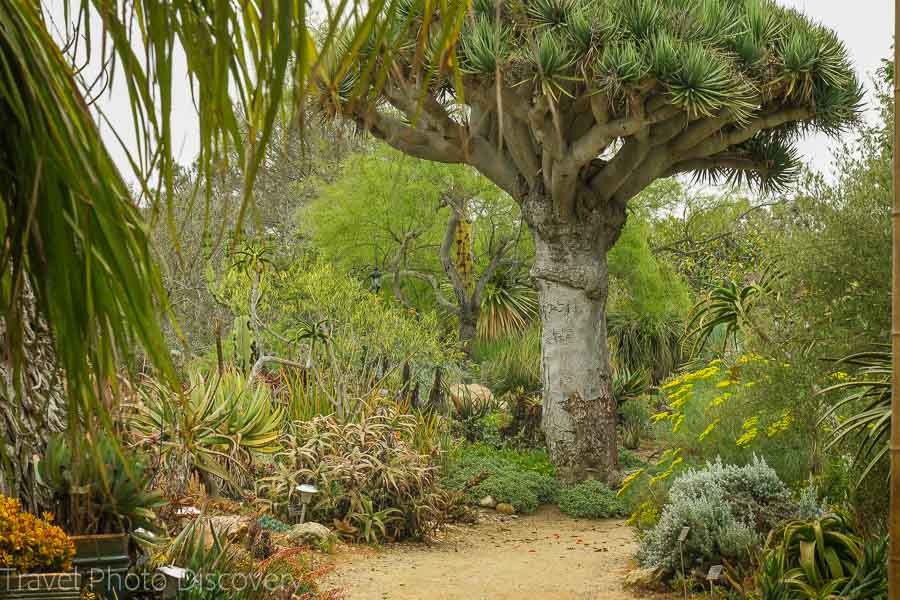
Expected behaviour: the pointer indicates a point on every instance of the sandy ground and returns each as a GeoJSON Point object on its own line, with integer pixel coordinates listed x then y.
{"type": "Point", "coordinates": [544, 556]}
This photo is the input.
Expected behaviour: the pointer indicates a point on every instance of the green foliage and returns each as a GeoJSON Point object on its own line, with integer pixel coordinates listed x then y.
{"type": "Point", "coordinates": [391, 211]}
{"type": "Point", "coordinates": [355, 330]}
{"type": "Point", "coordinates": [644, 286]}
{"type": "Point", "coordinates": [272, 524]}
{"type": "Point", "coordinates": [590, 500]}
{"type": "Point", "coordinates": [512, 363]}
{"type": "Point", "coordinates": [374, 485]}
{"type": "Point", "coordinates": [727, 508]}
{"type": "Point", "coordinates": [522, 479]}
{"type": "Point", "coordinates": [113, 487]}
{"type": "Point", "coordinates": [729, 306]}
{"type": "Point", "coordinates": [869, 392]}
{"type": "Point", "coordinates": [213, 427]}
{"type": "Point", "coordinates": [817, 558]}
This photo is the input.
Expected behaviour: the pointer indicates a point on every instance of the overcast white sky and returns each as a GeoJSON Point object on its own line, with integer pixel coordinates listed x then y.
{"type": "Point", "coordinates": [866, 26]}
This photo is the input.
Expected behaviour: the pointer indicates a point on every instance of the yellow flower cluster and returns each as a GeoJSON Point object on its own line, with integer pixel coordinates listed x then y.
{"type": "Point", "coordinates": [30, 544]}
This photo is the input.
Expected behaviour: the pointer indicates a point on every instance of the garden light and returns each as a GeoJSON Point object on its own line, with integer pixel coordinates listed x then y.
{"type": "Point", "coordinates": [306, 491]}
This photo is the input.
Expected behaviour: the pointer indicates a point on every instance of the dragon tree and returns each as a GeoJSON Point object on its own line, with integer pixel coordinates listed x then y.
{"type": "Point", "coordinates": [574, 107]}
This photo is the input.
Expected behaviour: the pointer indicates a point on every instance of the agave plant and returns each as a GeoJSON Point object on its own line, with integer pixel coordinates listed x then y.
{"type": "Point", "coordinates": [214, 427]}
{"type": "Point", "coordinates": [628, 385]}
{"type": "Point", "coordinates": [816, 559]}
{"type": "Point", "coordinates": [869, 393]}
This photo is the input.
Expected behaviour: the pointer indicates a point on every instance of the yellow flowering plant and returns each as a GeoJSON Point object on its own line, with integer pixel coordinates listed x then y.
{"type": "Point", "coordinates": [704, 394]}
{"type": "Point", "coordinates": [30, 544]}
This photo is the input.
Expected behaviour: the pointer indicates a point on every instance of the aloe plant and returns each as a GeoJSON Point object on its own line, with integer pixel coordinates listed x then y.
{"type": "Point", "coordinates": [816, 559]}
{"type": "Point", "coordinates": [214, 426]}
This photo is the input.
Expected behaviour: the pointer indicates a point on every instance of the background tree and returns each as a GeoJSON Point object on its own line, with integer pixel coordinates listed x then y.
{"type": "Point", "coordinates": [573, 108]}
{"type": "Point", "coordinates": [439, 232]}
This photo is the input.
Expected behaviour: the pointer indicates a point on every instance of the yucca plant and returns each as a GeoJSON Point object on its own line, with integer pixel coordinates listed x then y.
{"type": "Point", "coordinates": [508, 306]}
{"type": "Point", "coordinates": [214, 427]}
{"type": "Point", "coordinates": [574, 108]}
{"type": "Point", "coordinates": [868, 394]}
{"type": "Point", "coordinates": [816, 559]}
{"type": "Point", "coordinates": [642, 343]}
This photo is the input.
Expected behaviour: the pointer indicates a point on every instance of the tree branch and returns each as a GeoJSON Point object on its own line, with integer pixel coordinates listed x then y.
{"type": "Point", "coordinates": [459, 286]}
{"type": "Point", "coordinates": [601, 135]}
{"type": "Point", "coordinates": [431, 280]}
{"type": "Point", "coordinates": [421, 143]}
{"type": "Point", "coordinates": [721, 141]}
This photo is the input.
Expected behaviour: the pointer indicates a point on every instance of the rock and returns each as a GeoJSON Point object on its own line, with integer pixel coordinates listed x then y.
{"type": "Point", "coordinates": [644, 578]}
{"type": "Point", "coordinates": [487, 502]}
{"type": "Point", "coordinates": [311, 534]}
{"type": "Point", "coordinates": [506, 509]}
{"type": "Point", "coordinates": [475, 393]}
{"type": "Point", "coordinates": [231, 528]}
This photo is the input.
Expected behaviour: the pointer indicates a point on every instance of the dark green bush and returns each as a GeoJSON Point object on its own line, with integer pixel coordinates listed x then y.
{"type": "Point", "coordinates": [523, 479]}
{"type": "Point", "coordinates": [590, 500]}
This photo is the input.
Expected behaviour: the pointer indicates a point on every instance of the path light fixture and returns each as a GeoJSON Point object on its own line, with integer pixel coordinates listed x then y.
{"type": "Point", "coordinates": [305, 493]}
{"type": "Point", "coordinates": [682, 537]}
{"type": "Point", "coordinates": [174, 578]}
{"type": "Point", "coordinates": [714, 575]}
{"type": "Point", "coordinates": [188, 511]}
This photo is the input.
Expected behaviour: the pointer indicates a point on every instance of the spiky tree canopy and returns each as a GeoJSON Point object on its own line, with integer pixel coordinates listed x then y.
{"type": "Point", "coordinates": [589, 102]}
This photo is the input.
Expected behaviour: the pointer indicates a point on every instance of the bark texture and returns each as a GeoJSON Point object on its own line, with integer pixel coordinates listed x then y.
{"type": "Point", "coordinates": [29, 418]}
{"type": "Point", "coordinates": [570, 271]}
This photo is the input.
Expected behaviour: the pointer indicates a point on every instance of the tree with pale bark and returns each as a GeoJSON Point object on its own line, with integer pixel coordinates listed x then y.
{"type": "Point", "coordinates": [439, 233]}
{"type": "Point", "coordinates": [574, 108]}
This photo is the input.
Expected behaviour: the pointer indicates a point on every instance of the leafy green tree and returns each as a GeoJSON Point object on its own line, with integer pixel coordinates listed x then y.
{"type": "Point", "coordinates": [574, 108]}
{"type": "Point", "coordinates": [713, 238]}
{"type": "Point", "coordinates": [441, 225]}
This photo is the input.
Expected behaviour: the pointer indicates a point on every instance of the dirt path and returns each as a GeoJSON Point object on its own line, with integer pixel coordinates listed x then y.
{"type": "Point", "coordinates": [544, 556]}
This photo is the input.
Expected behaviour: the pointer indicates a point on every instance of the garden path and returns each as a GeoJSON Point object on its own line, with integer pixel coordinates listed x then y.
{"type": "Point", "coordinates": [543, 556]}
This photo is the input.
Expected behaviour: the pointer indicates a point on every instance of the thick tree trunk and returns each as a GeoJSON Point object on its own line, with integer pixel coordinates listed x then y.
{"type": "Point", "coordinates": [468, 327]}
{"type": "Point", "coordinates": [579, 411]}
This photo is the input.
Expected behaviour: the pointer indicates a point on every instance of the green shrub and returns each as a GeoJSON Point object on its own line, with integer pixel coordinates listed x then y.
{"type": "Point", "coordinates": [728, 508]}
{"type": "Point", "coordinates": [590, 500]}
{"type": "Point", "coordinates": [513, 362]}
{"type": "Point", "coordinates": [373, 483]}
{"type": "Point", "coordinates": [822, 557]}
{"type": "Point", "coordinates": [628, 460]}
{"type": "Point", "coordinates": [523, 479]}
{"type": "Point", "coordinates": [715, 533]}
